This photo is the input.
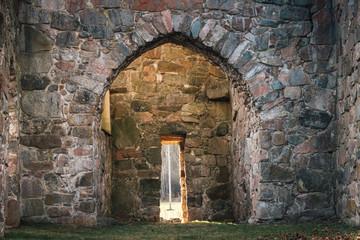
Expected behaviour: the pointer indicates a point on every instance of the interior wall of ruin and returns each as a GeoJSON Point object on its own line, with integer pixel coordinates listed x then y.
{"type": "Point", "coordinates": [348, 110]}
{"type": "Point", "coordinates": [9, 175]}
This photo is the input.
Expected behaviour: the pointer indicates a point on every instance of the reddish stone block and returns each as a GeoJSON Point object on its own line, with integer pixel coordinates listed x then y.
{"type": "Point", "coordinates": [12, 214]}
{"type": "Point", "coordinates": [185, 4]}
{"type": "Point", "coordinates": [73, 6]}
{"type": "Point", "coordinates": [159, 25]}
{"type": "Point", "coordinates": [260, 90]}
{"type": "Point", "coordinates": [273, 124]}
{"type": "Point", "coordinates": [83, 151]}
{"type": "Point", "coordinates": [127, 153]}
{"type": "Point", "coordinates": [167, 20]}
{"type": "Point", "coordinates": [147, 5]}
{"type": "Point", "coordinates": [240, 23]}
{"type": "Point", "coordinates": [64, 65]}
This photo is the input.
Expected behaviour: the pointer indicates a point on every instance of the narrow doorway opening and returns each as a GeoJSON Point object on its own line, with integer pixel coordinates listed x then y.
{"type": "Point", "coordinates": [173, 206]}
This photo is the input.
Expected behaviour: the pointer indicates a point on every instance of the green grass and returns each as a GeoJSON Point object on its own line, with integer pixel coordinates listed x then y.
{"type": "Point", "coordinates": [194, 230]}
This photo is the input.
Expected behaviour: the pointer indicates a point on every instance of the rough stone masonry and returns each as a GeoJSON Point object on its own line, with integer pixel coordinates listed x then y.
{"type": "Point", "coordinates": [291, 68]}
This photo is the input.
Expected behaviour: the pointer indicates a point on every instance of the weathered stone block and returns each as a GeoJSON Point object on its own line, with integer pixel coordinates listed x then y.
{"type": "Point", "coordinates": [222, 129]}
{"type": "Point", "coordinates": [218, 145]}
{"type": "Point", "coordinates": [12, 214]}
{"type": "Point", "coordinates": [309, 180]}
{"type": "Point", "coordinates": [52, 199]}
{"type": "Point", "coordinates": [221, 192]}
{"type": "Point", "coordinates": [218, 94]}
{"type": "Point", "coordinates": [278, 138]}
{"type": "Point", "coordinates": [41, 141]}
{"type": "Point", "coordinates": [153, 155]}
{"type": "Point", "coordinates": [85, 180]}
{"type": "Point", "coordinates": [64, 22]}
{"type": "Point", "coordinates": [125, 132]}
{"type": "Point", "coordinates": [270, 172]}
{"type": "Point", "coordinates": [298, 78]}
{"type": "Point", "coordinates": [294, 13]}
{"type": "Point", "coordinates": [32, 207]}
{"type": "Point", "coordinates": [92, 17]}
{"type": "Point", "coordinates": [268, 210]}
{"type": "Point", "coordinates": [30, 188]}
{"type": "Point", "coordinates": [87, 207]}
{"type": "Point", "coordinates": [32, 40]}
{"type": "Point", "coordinates": [150, 187]}
{"type": "Point", "coordinates": [32, 82]}
{"type": "Point", "coordinates": [220, 4]}
{"type": "Point", "coordinates": [39, 62]}
{"type": "Point", "coordinates": [192, 111]}
{"type": "Point", "coordinates": [150, 5]}
{"type": "Point", "coordinates": [55, 212]}
{"type": "Point", "coordinates": [66, 39]}
{"type": "Point", "coordinates": [314, 119]}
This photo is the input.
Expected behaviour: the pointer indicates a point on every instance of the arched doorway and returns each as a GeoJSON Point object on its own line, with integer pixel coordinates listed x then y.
{"type": "Point", "coordinates": [171, 91]}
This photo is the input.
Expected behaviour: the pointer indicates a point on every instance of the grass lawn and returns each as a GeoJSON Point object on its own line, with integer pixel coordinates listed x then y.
{"type": "Point", "coordinates": [193, 230]}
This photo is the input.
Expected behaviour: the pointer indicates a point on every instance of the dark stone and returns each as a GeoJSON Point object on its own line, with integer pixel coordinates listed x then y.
{"type": "Point", "coordinates": [268, 23]}
{"type": "Point", "coordinates": [84, 96]}
{"type": "Point", "coordinates": [12, 213]}
{"type": "Point", "coordinates": [85, 180]}
{"type": "Point", "coordinates": [32, 82]}
{"type": "Point", "coordinates": [66, 39]}
{"type": "Point", "coordinates": [140, 106]}
{"type": "Point", "coordinates": [244, 59]}
{"type": "Point", "coordinates": [153, 156]}
{"type": "Point", "coordinates": [123, 202]}
{"type": "Point", "coordinates": [298, 78]}
{"type": "Point", "coordinates": [150, 187]}
{"type": "Point", "coordinates": [276, 85]}
{"type": "Point", "coordinates": [222, 129]}
{"type": "Point", "coordinates": [229, 46]}
{"type": "Point", "coordinates": [64, 22]}
{"type": "Point", "coordinates": [123, 49]}
{"type": "Point", "coordinates": [173, 129]}
{"type": "Point", "coordinates": [92, 17]}
{"type": "Point", "coordinates": [270, 172]}
{"type": "Point", "coordinates": [82, 132]}
{"type": "Point", "coordinates": [35, 41]}
{"type": "Point", "coordinates": [294, 13]}
{"type": "Point", "coordinates": [223, 175]}
{"type": "Point", "coordinates": [221, 192]}
{"type": "Point", "coordinates": [122, 18]}
{"type": "Point", "coordinates": [53, 88]}
{"type": "Point", "coordinates": [261, 42]}
{"type": "Point", "coordinates": [51, 199]}
{"type": "Point", "coordinates": [150, 201]}
{"type": "Point", "coordinates": [28, 156]}
{"type": "Point", "coordinates": [41, 141]}
{"type": "Point", "coordinates": [278, 2]}
{"type": "Point", "coordinates": [100, 32]}
{"type": "Point", "coordinates": [314, 119]}
{"type": "Point", "coordinates": [314, 181]}
{"type": "Point", "coordinates": [125, 133]}
{"type": "Point", "coordinates": [142, 166]}
{"type": "Point", "coordinates": [195, 201]}
{"type": "Point", "coordinates": [51, 182]}
{"type": "Point", "coordinates": [303, 3]}
{"type": "Point", "coordinates": [30, 188]}
{"type": "Point", "coordinates": [269, 97]}
{"type": "Point", "coordinates": [87, 207]}
{"type": "Point", "coordinates": [325, 67]}
{"type": "Point", "coordinates": [32, 207]}
{"type": "Point", "coordinates": [123, 165]}
{"type": "Point", "coordinates": [220, 4]}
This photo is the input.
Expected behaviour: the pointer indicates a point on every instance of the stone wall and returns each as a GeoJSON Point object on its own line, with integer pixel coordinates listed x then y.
{"type": "Point", "coordinates": [171, 91]}
{"type": "Point", "coordinates": [8, 117]}
{"type": "Point", "coordinates": [282, 108]}
{"type": "Point", "coordinates": [348, 110]}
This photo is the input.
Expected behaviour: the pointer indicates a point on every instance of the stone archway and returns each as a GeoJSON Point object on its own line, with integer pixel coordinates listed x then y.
{"type": "Point", "coordinates": [171, 91]}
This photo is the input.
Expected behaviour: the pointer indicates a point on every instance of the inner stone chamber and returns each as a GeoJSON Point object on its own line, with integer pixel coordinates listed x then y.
{"type": "Point", "coordinates": [171, 91]}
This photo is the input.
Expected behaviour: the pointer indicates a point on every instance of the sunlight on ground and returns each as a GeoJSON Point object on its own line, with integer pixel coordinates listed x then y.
{"type": "Point", "coordinates": [175, 213]}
